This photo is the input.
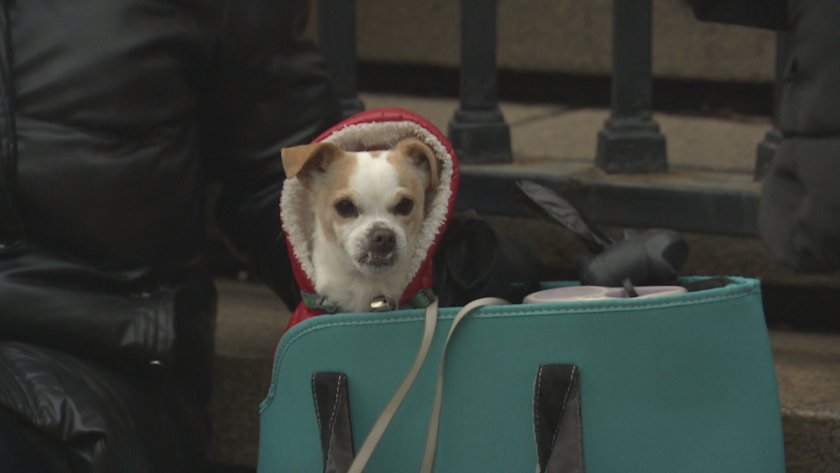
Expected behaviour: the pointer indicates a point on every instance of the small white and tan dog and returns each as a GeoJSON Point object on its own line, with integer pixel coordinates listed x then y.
{"type": "Point", "coordinates": [367, 212]}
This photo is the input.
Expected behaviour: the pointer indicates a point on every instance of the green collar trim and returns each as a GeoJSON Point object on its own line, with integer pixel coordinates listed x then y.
{"type": "Point", "coordinates": [317, 301]}
{"type": "Point", "coordinates": [421, 300]}
{"type": "Point", "coordinates": [311, 300]}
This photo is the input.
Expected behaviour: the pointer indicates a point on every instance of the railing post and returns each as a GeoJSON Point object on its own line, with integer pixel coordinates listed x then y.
{"type": "Point", "coordinates": [478, 130]}
{"type": "Point", "coordinates": [337, 31]}
{"type": "Point", "coordinates": [766, 150]}
{"type": "Point", "coordinates": [630, 141]}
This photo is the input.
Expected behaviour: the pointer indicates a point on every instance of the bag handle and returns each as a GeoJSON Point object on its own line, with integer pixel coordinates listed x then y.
{"type": "Point", "coordinates": [393, 405]}
{"type": "Point", "coordinates": [557, 424]}
{"type": "Point", "coordinates": [332, 409]}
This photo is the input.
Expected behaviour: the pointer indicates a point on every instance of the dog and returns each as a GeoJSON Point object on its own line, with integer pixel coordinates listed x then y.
{"type": "Point", "coordinates": [367, 209]}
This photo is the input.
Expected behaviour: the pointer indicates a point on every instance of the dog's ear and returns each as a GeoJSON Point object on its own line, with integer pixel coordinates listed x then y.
{"type": "Point", "coordinates": [421, 155]}
{"type": "Point", "coordinates": [301, 161]}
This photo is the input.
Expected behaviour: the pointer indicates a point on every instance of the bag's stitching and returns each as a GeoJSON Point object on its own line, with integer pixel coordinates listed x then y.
{"type": "Point", "coordinates": [315, 397]}
{"type": "Point", "coordinates": [537, 419]}
{"type": "Point", "coordinates": [491, 313]}
{"type": "Point", "coordinates": [578, 423]}
{"type": "Point", "coordinates": [333, 416]}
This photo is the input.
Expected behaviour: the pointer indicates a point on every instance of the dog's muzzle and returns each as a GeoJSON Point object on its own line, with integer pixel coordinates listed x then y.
{"type": "Point", "coordinates": [381, 248]}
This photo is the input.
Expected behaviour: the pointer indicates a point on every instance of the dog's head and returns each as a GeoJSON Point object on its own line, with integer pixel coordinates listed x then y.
{"type": "Point", "coordinates": [369, 204]}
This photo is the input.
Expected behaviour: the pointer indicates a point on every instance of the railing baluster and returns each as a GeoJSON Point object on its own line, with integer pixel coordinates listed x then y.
{"type": "Point", "coordinates": [766, 150]}
{"type": "Point", "coordinates": [337, 31]}
{"type": "Point", "coordinates": [478, 130]}
{"type": "Point", "coordinates": [630, 141]}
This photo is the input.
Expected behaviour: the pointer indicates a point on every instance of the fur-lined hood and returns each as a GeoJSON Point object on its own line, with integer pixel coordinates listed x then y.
{"type": "Point", "coordinates": [373, 130]}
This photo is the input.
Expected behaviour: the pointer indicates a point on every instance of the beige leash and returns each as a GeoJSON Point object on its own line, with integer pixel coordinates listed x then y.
{"type": "Point", "coordinates": [393, 405]}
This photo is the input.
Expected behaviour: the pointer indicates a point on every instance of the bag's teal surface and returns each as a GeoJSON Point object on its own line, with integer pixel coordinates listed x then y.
{"type": "Point", "coordinates": [677, 384]}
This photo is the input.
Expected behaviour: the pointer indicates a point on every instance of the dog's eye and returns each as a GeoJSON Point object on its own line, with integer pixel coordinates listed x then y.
{"type": "Point", "coordinates": [404, 207]}
{"type": "Point", "coordinates": [346, 209]}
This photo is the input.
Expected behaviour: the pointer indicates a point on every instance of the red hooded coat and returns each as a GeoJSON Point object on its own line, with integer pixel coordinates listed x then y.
{"type": "Point", "coordinates": [372, 130]}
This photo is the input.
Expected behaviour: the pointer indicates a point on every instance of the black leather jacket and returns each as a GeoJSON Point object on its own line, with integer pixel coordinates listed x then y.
{"type": "Point", "coordinates": [114, 116]}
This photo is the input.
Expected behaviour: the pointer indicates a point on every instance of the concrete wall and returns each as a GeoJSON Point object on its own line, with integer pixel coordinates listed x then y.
{"type": "Point", "coordinates": [564, 36]}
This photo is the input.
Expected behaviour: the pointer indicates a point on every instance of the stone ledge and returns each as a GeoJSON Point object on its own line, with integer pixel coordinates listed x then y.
{"type": "Point", "coordinates": [251, 319]}
{"type": "Point", "coordinates": [808, 373]}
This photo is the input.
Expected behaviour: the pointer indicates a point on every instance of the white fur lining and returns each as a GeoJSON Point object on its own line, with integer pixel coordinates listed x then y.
{"type": "Point", "coordinates": [295, 200]}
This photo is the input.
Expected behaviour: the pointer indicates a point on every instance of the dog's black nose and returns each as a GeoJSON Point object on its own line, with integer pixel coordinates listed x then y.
{"type": "Point", "coordinates": [382, 240]}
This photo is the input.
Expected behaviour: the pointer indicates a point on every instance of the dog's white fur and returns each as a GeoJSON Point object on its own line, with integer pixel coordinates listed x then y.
{"type": "Point", "coordinates": [348, 267]}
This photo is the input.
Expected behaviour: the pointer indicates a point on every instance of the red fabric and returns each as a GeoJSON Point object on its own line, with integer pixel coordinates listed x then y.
{"type": "Point", "coordinates": [302, 313]}
{"type": "Point", "coordinates": [424, 278]}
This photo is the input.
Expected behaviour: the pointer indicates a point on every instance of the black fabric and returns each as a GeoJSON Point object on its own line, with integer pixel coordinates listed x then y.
{"type": "Point", "coordinates": [650, 258]}
{"type": "Point", "coordinates": [10, 225]}
{"type": "Point", "coordinates": [557, 422]}
{"type": "Point", "coordinates": [800, 199]}
{"type": "Point", "coordinates": [475, 260]}
{"type": "Point", "coordinates": [811, 73]}
{"type": "Point", "coordinates": [91, 313]}
{"type": "Point", "coordinates": [115, 116]}
{"type": "Point", "coordinates": [800, 204]}
{"type": "Point", "coordinates": [114, 421]}
{"type": "Point", "coordinates": [142, 102]}
{"type": "Point", "coordinates": [551, 206]}
{"type": "Point", "coordinates": [17, 452]}
{"type": "Point", "coordinates": [332, 410]}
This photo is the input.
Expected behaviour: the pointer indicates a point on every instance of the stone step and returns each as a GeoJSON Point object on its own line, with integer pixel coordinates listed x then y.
{"type": "Point", "coordinates": [251, 319]}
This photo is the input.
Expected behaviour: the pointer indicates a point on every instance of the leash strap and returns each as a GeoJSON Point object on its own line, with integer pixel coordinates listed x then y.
{"type": "Point", "coordinates": [375, 435]}
{"type": "Point", "coordinates": [434, 419]}
{"type": "Point", "coordinates": [393, 405]}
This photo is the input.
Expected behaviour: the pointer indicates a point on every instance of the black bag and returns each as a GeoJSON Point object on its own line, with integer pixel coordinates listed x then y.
{"type": "Point", "coordinates": [475, 260]}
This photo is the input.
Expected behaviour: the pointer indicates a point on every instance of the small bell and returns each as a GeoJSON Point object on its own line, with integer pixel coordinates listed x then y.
{"type": "Point", "coordinates": [380, 304]}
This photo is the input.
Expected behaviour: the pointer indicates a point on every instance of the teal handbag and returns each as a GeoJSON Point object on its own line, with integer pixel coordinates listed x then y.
{"type": "Point", "coordinates": [680, 383]}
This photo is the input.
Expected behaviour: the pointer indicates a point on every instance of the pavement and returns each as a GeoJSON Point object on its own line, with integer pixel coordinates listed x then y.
{"type": "Point", "coordinates": [807, 362]}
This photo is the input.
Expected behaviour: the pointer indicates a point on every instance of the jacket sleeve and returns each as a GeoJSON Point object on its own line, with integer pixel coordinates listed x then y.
{"type": "Point", "coordinates": [271, 90]}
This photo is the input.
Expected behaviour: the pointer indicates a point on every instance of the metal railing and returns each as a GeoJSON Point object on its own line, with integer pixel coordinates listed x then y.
{"type": "Point", "coordinates": [630, 141]}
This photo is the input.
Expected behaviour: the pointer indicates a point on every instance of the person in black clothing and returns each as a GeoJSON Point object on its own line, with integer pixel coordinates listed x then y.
{"type": "Point", "coordinates": [114, 116]}
{"type": "Point", "coordinates": [800, 200]}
